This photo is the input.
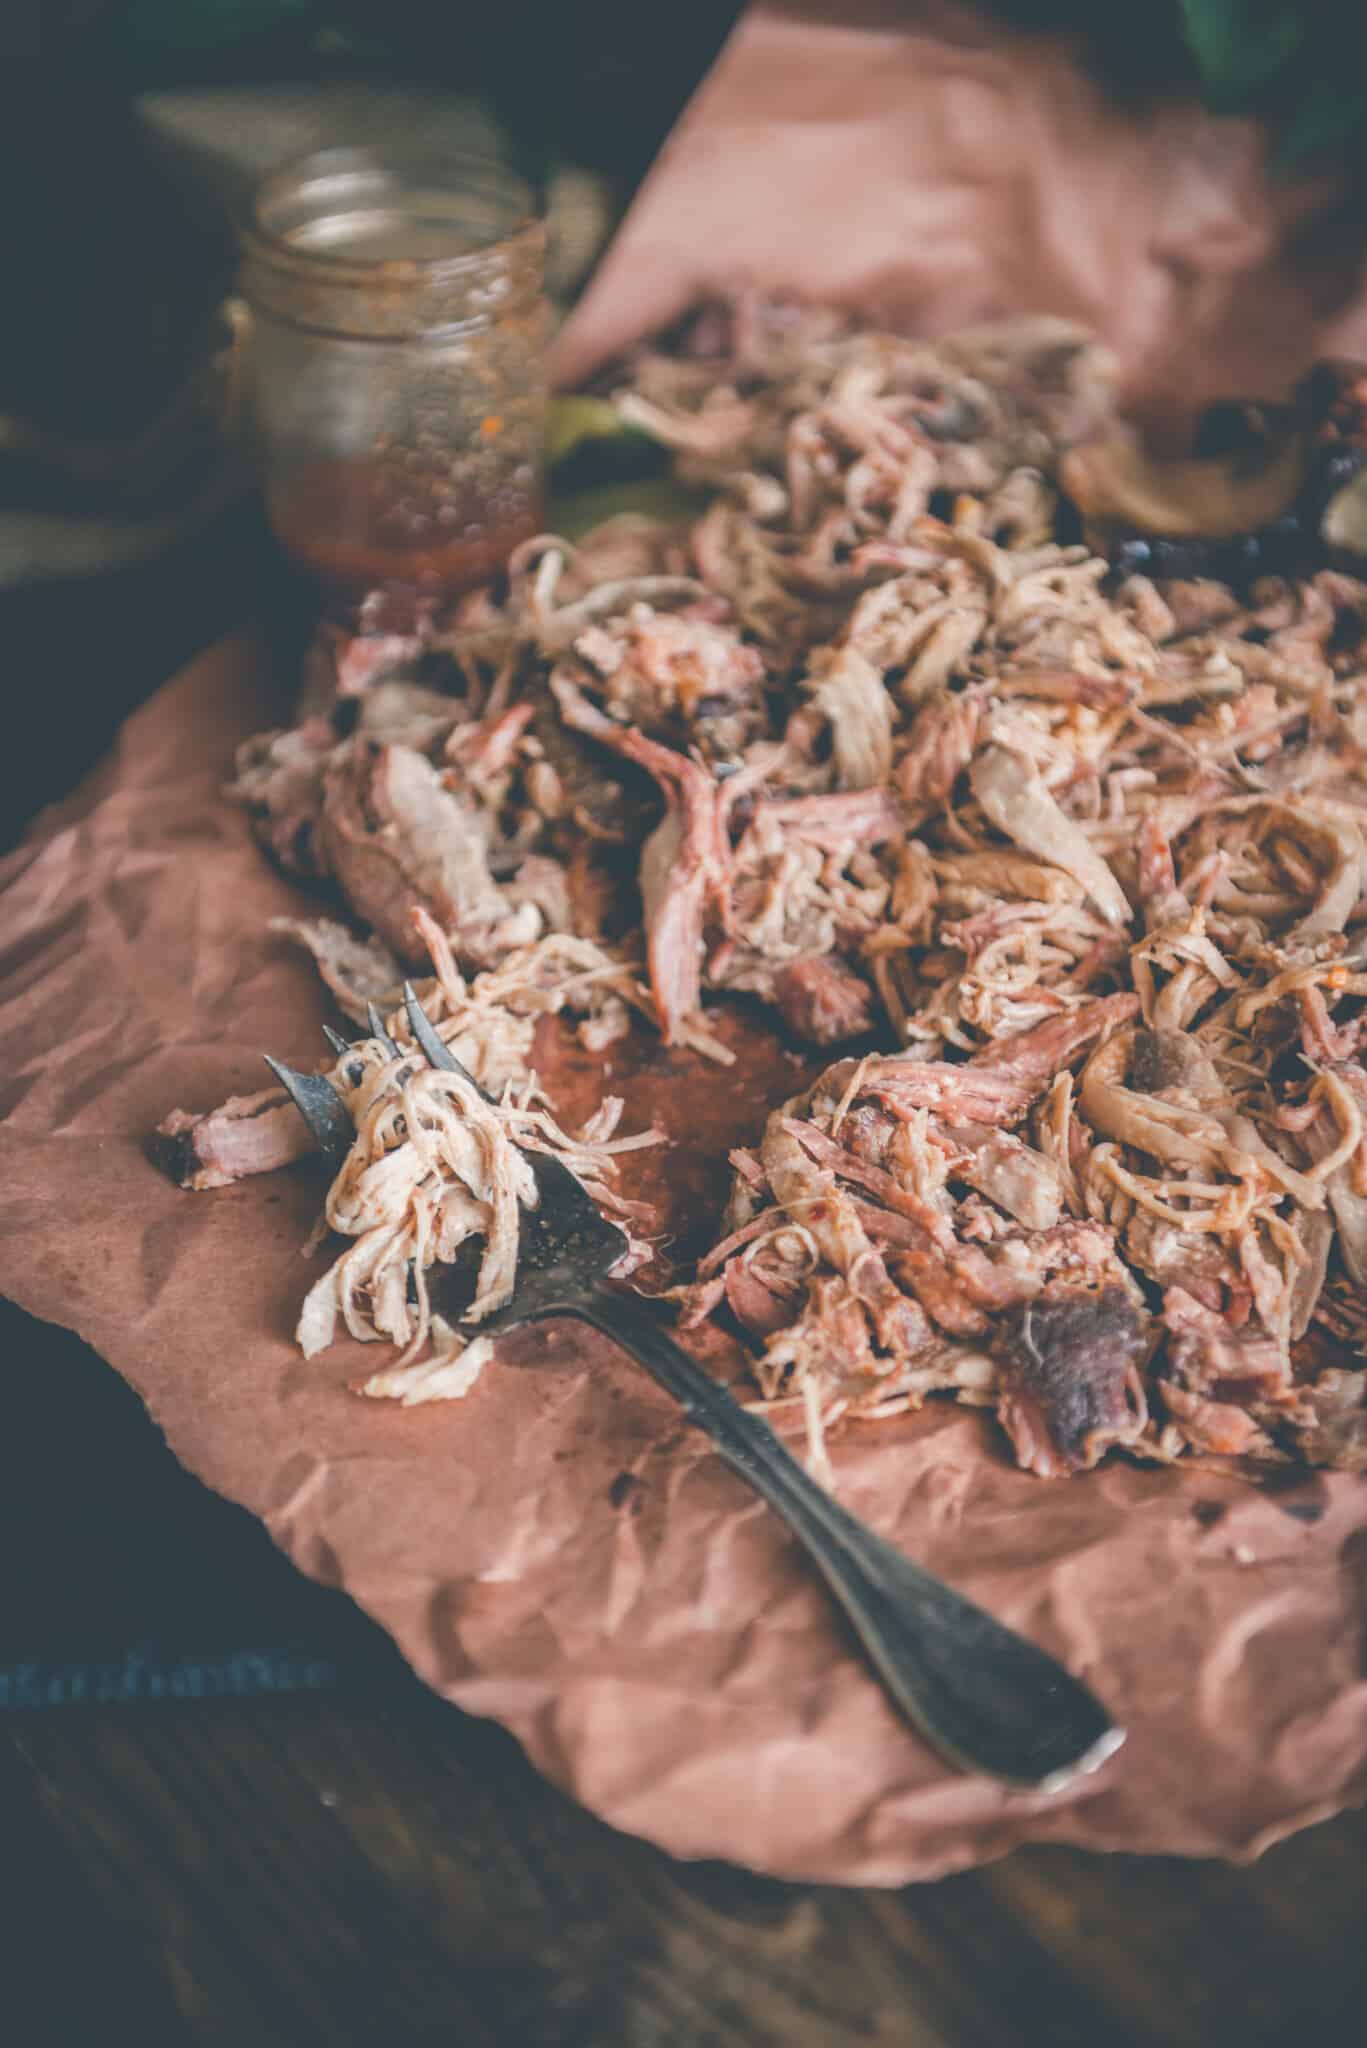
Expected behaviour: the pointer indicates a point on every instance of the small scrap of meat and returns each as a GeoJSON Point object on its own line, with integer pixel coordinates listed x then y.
{"type": "Point", "coordinates": [937, 747]}
{"type": "Point", "coordinates": [803, 892]}
{"type": "Point", "coordinates": [868, 818]}
{"type": "Point", "coordinates": [1171, 1256]}
{"type": "Point", "coordinates": [1193, 1129]}
{"type": "Point", "coordinates": [1015, 1266]}
{"type": "Point", "coordinates": [357, 972]}
{"type": "Point", "coordinates": [247, 1134]}
{"type": "Point", "coordinates": [848, 691]}
{"type": "Point", "coordinates": [684, 862]}
{"type": "Point", "coordinates": [1344, 1188]}
{"type": "Point", "coordinates": [1017, 802]}
{"type": "Point", "coordinates": [1026, 1185]}
{"type": "Point", "coordinates": [823, 1001]}
{"type": "Point", "coordinates": [1334, 1432]}
{"type": "Point", "coordinates": [1349, 1207]}
{"type": "Point", "coordinates": [832, 1342]}
{"type": "Point", "coordinates": [362, 659]}
{"type": "Point", "coordinates": [1071, 1382]}
{"type": "Point", "coordinates": [1314, 1234]}
{"type": "Point", "coordinates": [764, 1288]}
{"type": "Point", "coordinates": [1170, 1063]}
{"type": "Point", "coordinates": [396, 837]}
{"type": "Point", "coordinates": [279, 781]}
{"type": "Point", "coordinates": [1214, 1375]}
{"type": "Point", "coordinates": [683, 867]}
{"type": "Point", "coordinates": [677, 676]}
{"type": "Point", "coordinates": [999, 1084]}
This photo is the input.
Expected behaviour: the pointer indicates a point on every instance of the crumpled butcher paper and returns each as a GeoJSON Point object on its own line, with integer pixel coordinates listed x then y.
{"type": "Point", "coordinates": [558, 1550]}
{"type": "Point", "coordinates": [926, 164]}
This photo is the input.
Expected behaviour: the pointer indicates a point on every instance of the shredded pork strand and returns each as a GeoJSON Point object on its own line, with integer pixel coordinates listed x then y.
{"type": "Point", "coordinates": [1070, 877]}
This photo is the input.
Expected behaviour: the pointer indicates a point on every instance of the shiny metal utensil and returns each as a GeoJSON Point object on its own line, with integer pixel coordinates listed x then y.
{"type": "Point", "coordinates": [989, 1700]}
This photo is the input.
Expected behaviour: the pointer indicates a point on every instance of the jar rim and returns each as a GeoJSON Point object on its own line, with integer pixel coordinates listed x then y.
{"type": "Point", "coordinates": [333, 173]}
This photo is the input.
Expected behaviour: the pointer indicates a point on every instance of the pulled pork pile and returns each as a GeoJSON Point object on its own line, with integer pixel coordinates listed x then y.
{"type": "Point", "coordinates": [436, 1170]}
{"type": "Point", "coordinates": [876, 742]}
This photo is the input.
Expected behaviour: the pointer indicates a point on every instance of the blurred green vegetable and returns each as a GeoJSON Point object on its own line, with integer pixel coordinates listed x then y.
{"type": "Point", "coordinates": [1240, 46]}
{"type": "Point", "coordinates": [588, 443]}
{"type": "Point", "coordinates": [1298, 67]}
{"type": "Point", "coordinates": [573, 421]}
{"type": "Point", "coordinates": [574, 512]}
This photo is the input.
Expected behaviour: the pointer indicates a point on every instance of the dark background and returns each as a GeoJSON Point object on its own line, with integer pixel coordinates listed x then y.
{"type": "Point", "coordinates": [110, 273]}
{"type": "Point", "coordinates": [113, 272]}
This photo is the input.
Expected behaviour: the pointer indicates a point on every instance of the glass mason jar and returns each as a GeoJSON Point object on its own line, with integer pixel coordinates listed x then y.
{"type": "Point", "coordinates": [392, 374]}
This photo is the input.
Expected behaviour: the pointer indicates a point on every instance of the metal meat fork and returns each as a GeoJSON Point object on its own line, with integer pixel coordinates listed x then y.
{"type": "Point", "coordinates": [987, 1698]}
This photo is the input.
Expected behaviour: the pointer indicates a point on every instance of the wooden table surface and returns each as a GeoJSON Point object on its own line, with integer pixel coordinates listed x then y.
{"type": "Point", "coordinates": [317, 1871]}
{"type": "Point", "coordinates": [323, 1869]}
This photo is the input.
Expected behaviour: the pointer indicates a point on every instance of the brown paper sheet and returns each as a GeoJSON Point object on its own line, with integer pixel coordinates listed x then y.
{"type": "Point", "coordinates": [557, 1551]}
{"type": "Point", "coordinates": [923, 162]}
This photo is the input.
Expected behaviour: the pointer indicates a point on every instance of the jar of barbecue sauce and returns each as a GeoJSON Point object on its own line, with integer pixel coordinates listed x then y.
{"type": "Point", "coordinates": [391, 375]}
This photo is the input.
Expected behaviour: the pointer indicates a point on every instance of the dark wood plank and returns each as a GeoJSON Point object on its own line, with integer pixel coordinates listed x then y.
{"type": "Point", "coordinates": [66, 1963]}
{"type": "Point", "coordinates": [305, 1871]}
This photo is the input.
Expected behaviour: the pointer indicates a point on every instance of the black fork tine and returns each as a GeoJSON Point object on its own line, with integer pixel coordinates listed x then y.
{"type": "Point", "coordinates": [354, 1071]}
{"type": "Point", "coordinates": [321, 1107]}
{"type": "Point", "coordinates": [437, 1052]}
{"type": "Point", "coordinates": [377, 1030]}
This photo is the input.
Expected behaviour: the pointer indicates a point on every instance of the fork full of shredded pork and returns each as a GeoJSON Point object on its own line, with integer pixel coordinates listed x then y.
{"type": "Point", "coordinates": [1068, 874]}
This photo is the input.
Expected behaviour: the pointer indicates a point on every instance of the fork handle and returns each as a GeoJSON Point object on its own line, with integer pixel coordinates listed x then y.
{"type": "Point", "coordinates": [985, 1697]}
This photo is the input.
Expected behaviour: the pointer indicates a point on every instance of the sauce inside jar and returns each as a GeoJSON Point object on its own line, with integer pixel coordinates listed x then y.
{"type": "Point", "coordinates": [393, 368]}
{"type": "Point", "coordinates": [371, 527]}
